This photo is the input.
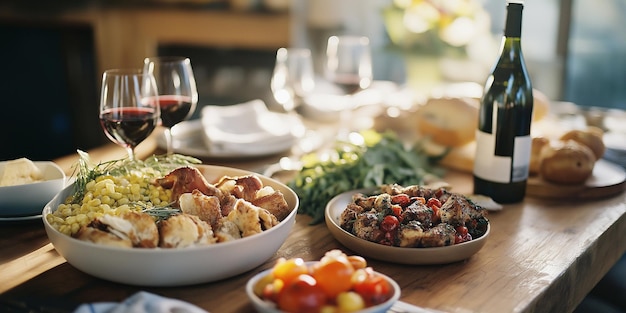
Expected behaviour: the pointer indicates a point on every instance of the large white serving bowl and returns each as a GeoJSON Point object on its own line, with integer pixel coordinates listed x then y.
{"type": "Point", "coordinates": [29, 199]}
{"type": "Point", "coordinates": [263, 306]}
{"type": "Point", "coordinates": [175, 267]}
{"type": "Point", "coordinates": [401, 255]}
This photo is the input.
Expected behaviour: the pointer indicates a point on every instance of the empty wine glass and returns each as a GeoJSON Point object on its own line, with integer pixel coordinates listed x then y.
{"type": "Point", "coordinates": [178, 95]}
{"type": "Point", "coordinates": [293, 78]}
{"type": "Point", "coordinates": [128, 112]}
{"type": "Point", "coordinates": [349, 67]}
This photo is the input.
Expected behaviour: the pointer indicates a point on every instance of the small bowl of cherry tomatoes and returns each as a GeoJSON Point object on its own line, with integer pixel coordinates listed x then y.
{"type": "Point", "coordinates": [335, 283]}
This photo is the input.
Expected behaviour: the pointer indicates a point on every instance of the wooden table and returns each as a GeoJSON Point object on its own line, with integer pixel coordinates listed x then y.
{"type": "Point", "coordinates": [542, 256]}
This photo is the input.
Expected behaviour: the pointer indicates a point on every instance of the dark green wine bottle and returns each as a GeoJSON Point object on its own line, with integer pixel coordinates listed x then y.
{"type": "Point", "coordinates": [503, 139]}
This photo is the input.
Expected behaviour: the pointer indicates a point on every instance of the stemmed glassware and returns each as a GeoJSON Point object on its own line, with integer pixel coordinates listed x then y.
{"type": "Point", "coordinates": [349, 67]}
{"type": "Point", "coordinates": [178, 95]}
{"type": "Point", "coordinates": [293, 78]}
{"type": "Point", "coordinates": [128, 112]}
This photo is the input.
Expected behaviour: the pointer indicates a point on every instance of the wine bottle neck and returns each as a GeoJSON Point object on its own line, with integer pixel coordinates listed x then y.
{"type": "Point", "coordinates": [513, 26]}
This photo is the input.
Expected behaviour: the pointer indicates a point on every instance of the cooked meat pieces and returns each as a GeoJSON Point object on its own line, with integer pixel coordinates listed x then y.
{"type": "Point", "coordinates": [366, 226]}
{"type": "Point", "coordinates": [185, 230]}
{"type": "Point", "coordinates": [99, 236]}
{"type": "Point", "coordinates": [207, 208]}
{"type": "Point", "coordinates": [348, 216]}
{"type": "Point", "coordinates": [273, 201]}
{"type": "Point", "coordinates": [455, 211]}
{"type": "Point", "coordinates": [417, 211]}
{"type": "Point", "coordinates": [186, 179]}
{"type": "Point", "coordinates": [138, 229]}
{"type": "Point", "coordinates": [438, 236]}
{"type": "Point", "coordinates": [421, 223]}
{"type": "Point", "coordinates": [413, 234]}
{"type": "Point", "coordinates": [228, 231]}
{"type": "Point", "coordinates": [250, 219]}
{"type": "Point", "coordinates": [243, 187]}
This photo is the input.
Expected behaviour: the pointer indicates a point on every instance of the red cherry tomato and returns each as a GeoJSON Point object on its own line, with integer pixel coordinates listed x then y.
{"type": "Point", "coordinates": [418, 199]}
{"type": "Point", "coordinates": [433, 202]}
{"type": "Point", "coordinates": [462, 234]}
{"type": "Point", "coordinates": [287, 270]}
{"type": "Point", "coordinates": [334, 276]}
{"type": "Point", "coordinates": [402, 199]}
{"type": "Point", "coordinates": [389, 224]}
{"type": "Point", "coordinates": [301, 295]}
{"type": "Point", "coordinates": [396, 210]}
{"type": "Point", "coordinates": [374, 289]}
{"type": "Point", "coordinates": [357, 261]}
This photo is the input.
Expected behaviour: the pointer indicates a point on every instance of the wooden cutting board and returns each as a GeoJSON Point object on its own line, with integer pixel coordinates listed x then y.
{"type": "Point", "coordinates": [607, 179]}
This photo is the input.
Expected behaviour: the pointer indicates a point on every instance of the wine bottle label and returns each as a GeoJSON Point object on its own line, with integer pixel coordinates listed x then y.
{"type": "Point", "coordinates": [501, 168]}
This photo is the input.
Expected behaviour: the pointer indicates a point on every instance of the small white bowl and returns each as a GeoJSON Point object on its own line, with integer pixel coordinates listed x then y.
{"type": "Point", "coordinates": [263, 306]}
{"type": "Point", "coordinates": [29, 199]}
{"type": "Point", "coordinates": [161, 267]}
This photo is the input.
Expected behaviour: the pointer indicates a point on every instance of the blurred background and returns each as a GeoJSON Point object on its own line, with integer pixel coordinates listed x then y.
{"type": "Point", "coordinates": [54, 52]}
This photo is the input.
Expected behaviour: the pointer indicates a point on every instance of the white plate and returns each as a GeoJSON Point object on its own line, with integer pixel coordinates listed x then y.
{"type": "Point", "coordinates": [188, 139]}
{"type": "Point", "coordinates": [20, 218]}
{"type": "Point", "coordinates": [414, 256]}
{"type": "Point", "coordinates": [160, 267]}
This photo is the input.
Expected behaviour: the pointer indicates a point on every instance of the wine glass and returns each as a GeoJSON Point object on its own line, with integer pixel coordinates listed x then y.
{"type": "Point", "coordinates": [128, 112]}
{"type": "Point", "coordinates": [293, 78]}
{"type": "Point", "coordinates": [178, 95]}
{"type": "Point", "coordinates": [349, 67]}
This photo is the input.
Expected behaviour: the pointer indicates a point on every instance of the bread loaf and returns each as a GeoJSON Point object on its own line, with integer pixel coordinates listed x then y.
{"type": "Point", "coordinates": [566, 162]}
{"type": "Point", "coordinates": [591, 137]}
{"type": "Point", "coordinates": [535, 154]}
{"type": "Point", "coordinates": [450, 122]}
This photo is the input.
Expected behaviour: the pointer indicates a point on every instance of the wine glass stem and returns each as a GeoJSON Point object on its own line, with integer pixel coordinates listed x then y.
{"type": "Point", "coordinates": [131, 153]}
{"type": "Point", "coordinates": [169, 141]}
{"type": "Point", "coordinates": [345, 119]}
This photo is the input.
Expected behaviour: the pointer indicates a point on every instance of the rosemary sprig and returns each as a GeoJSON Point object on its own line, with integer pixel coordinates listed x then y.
{"type": "Point", "coordinates": [159, 212]}
{"type": "Point", "coordinates": [86, 171]}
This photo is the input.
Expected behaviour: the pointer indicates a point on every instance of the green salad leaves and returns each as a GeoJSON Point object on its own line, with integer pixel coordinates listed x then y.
{"type": "Point", "coordinates": [382, 158]}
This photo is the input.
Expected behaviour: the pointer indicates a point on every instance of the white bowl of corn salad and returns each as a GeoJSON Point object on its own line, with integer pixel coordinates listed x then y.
{"type": "Point", "coordinates": [158, 266]}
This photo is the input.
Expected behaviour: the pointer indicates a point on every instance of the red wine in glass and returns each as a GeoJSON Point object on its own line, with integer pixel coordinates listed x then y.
{"type": "Point", "coordinates": [174, 109]}
{"type": "Point", "coordinates": [349, 83]}
{"type": "Point", "coordinates": [178, 95]}
{"type": "Point", "coordinates": [128, 126]}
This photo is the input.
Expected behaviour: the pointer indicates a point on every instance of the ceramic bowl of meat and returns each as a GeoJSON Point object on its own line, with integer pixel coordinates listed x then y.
{"type": "Point", "coordinates": [162, 267]}
{"type": "Point", "coordinates": [27, 199]}
{"type": "Point", "coordinates": [401, 255]}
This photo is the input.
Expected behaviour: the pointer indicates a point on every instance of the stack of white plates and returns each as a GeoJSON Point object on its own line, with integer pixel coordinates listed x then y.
{"type": "Point", "coordinates": [615, 143]}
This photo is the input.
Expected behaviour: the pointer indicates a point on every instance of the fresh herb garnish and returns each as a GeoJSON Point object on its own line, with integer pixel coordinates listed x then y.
{"type": "Point", "coordinates": [159, 212]}
{"type": "Point", "coordinates": [152, 167]}
{"type": "Point", "coordinates": [382, 159]}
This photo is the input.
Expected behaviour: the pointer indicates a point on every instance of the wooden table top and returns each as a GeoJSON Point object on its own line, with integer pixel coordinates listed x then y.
{"type": "Point", "coordinates": [541, 256]}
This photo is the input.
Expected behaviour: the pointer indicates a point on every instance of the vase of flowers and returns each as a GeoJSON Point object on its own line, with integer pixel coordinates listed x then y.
{"type": "Point", "coordinates": [441, 40]}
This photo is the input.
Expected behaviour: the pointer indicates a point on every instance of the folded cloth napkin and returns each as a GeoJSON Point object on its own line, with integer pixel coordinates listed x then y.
{"type": "Point", "coordinates": [248, 128]}
{"type": "Point", "coordinates": [141, 302]}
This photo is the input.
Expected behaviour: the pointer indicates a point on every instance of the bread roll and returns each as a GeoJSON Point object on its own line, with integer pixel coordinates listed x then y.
{"type": "Point", "coordinates": [566, 162]}
{"type": "Point", "coordinates": [592, 138]}
{"type": "Point", "coordinates": [450, 122]}
{"type": "Point", "coordinates": [535, 154]}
